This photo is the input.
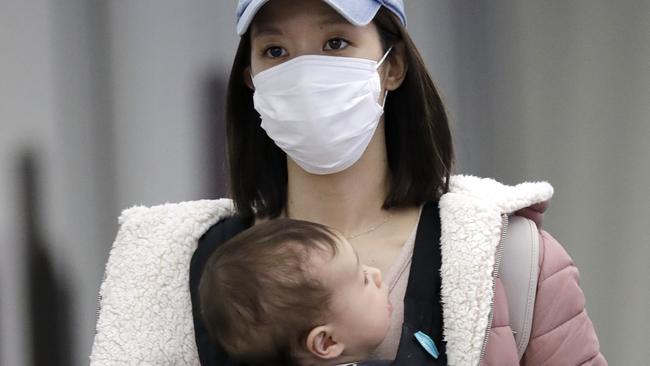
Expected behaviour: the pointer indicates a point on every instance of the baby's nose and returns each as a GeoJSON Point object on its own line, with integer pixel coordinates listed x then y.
{"type": "Point", "coordinates": [375, 273]}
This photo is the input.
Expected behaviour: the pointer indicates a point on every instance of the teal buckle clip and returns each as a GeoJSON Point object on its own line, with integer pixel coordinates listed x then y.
{"type": "Point", "coordinates": [428, 344]}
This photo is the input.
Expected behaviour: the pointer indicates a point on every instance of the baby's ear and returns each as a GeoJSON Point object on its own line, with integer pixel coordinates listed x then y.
{"type": "Point", "coordinates": [322, 343]}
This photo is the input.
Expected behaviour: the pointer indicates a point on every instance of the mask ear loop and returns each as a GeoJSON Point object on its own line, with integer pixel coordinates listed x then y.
{"type": "Point", "coordinates": [383, 58]}
{"type": "Point", "coordinates": [381, 61]}
{"type": "Point", "coordinates": [385, 96]}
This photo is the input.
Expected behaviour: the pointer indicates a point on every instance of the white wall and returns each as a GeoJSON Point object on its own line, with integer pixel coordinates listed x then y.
{"type": "Point", "coordinates": [161, 53]}
{"type": "Point", "coordinates": [53, 110]}
{"type": "Point", "coordinates": [107, 95]}
{"type": "Point", "coordinates": [26, 108]}
{"type": "Point", "coordinates": [559, 91]}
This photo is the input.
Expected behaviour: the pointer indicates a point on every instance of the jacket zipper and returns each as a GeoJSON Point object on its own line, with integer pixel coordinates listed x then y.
{"type": "Point", "coordinates": [495, 273]}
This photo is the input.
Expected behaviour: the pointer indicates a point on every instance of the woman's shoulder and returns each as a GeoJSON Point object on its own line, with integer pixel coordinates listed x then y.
{"type": "Point", "coordinates": [218, 233]}
{"type": "Point", "coordinates": [510, 198]}
{"type": "Point", "coordinates": [560, 313]}
{"type": "Point", "coordinates": [170, 230]}
{"type": "Point", "coordinates": [553, 257]}
{"type": "Point", "coordinates": [145, 280]}
{"type": "Point", "coordinates": [197, 210]}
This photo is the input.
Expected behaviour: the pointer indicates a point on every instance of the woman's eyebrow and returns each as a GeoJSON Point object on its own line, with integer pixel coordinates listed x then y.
{"type": "Point", "coordinates": [334, 20]}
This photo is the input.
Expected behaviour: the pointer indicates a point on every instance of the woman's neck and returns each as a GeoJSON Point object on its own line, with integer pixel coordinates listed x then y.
{"type": "Point", "coordinates": [348, 201]}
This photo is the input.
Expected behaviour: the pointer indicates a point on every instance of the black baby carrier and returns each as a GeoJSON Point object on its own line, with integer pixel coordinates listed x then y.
{"type": "Point", "coordinates": [422, 307]}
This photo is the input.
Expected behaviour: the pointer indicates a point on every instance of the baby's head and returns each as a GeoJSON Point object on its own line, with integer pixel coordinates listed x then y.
{"type": "Point", "coordinates": [292, 292]}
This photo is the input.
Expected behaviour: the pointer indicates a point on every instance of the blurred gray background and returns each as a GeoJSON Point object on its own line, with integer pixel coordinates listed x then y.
{"type": "Point", "coordinates": [109, 104]}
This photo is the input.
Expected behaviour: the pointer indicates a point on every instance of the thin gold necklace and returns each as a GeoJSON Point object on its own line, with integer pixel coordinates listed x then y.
{"type": "Point", "coordinates": [386, 219]}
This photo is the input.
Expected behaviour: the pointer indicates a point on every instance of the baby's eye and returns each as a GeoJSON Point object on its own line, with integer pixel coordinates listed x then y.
{"type": "Point", "coordinates": [365, 277]}
{"type": "Point", "coordinates": [275, 51]}
{"type": "Point", "coordinates": [336, 44]}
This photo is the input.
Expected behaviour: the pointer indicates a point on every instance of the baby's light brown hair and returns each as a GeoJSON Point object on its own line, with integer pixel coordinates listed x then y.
{"type": "Point", "coordinates": [257, 296]}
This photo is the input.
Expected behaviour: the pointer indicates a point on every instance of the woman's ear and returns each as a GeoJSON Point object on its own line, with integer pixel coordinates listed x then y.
{"type": "Point", "coordinates": [248, 78]}
{"type": "Point", "coordinates": [397, 67]}
{"type": "Point", "coordinates": [322, 344]}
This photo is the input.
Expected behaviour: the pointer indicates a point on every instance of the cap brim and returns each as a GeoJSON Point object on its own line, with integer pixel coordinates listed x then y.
{"type": "Point", "coordinates": [359, 12]}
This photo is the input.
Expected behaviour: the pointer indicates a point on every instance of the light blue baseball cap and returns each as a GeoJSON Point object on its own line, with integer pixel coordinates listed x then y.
{"type": "Point", "coordinates": [357, 12]}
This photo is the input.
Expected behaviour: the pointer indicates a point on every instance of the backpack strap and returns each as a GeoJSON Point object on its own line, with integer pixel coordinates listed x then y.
{"type": "Point", "coordinates": [519, 272]}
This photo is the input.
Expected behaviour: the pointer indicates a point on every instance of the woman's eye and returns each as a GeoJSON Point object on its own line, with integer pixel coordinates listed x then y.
{"type": "Point", "coordinates": [336, 44]}
{"type": "Point", "coordinates": [275, 51]}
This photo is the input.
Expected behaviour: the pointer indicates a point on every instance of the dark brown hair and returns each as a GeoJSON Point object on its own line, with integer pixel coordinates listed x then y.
{"type": "Point", "coordinates": [418, 138]}
{"type": "Point", "coordinates": [257, 297]}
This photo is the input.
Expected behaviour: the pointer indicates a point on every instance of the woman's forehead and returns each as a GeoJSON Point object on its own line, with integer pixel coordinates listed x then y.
{"type": "Point", "coordinates": [275, 13]}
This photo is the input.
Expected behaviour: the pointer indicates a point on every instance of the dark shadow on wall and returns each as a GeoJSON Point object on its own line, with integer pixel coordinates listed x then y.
{"type": "Point", "coordinates": [214, 110]}
{"type": "Point", "coordinates": [48, 298]}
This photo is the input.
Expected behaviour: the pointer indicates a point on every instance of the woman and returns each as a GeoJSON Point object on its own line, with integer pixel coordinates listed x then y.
{"type": "Point", "coordinates": [333, 118]}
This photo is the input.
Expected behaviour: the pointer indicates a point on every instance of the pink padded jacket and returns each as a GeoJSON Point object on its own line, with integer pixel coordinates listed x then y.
{"type": "Point", "coordinates": [562, 333]}
{"type": "Point", "coordinates": [473, 219]}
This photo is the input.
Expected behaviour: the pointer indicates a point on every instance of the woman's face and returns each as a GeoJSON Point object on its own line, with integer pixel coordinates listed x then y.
{"type": "Point", "coordinates": [284, 29]}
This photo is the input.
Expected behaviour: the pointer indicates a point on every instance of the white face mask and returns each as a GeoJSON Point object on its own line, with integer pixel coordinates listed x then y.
{"type": "Point", "coordinates": [321, 111]}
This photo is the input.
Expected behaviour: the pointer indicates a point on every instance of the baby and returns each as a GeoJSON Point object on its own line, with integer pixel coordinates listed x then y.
{"type": "Point", "coordinates": [290, 292]}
